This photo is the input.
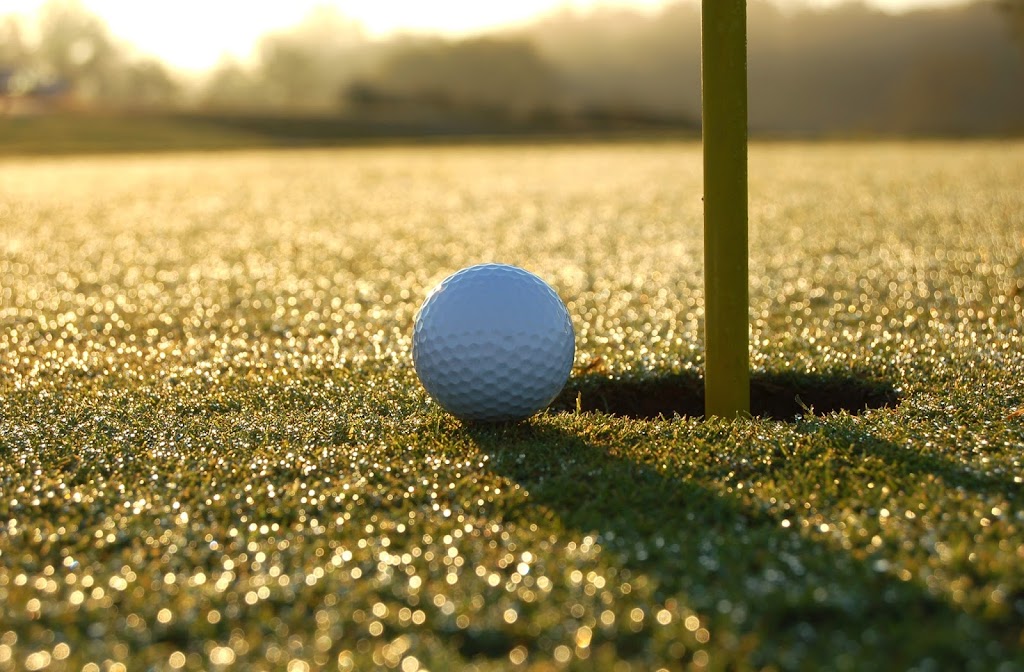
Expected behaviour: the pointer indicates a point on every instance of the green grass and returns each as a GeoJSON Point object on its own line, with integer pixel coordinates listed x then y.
{"type": "Point", "coordinates": [213, 446]}
{"type": "Point", "coordinates": [151, 131]}
{"type": "Point", "coordinates": [49, 134]}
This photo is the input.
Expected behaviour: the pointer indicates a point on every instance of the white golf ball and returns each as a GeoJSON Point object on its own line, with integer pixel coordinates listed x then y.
{"type": "Point", "coordinates": [493, 343]}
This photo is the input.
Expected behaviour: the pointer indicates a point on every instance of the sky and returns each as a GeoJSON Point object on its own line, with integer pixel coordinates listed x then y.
{"type": "Point", "coordinates": [194, 35]}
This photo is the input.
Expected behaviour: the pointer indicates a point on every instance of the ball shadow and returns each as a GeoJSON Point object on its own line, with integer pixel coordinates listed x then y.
{"type": "Point", "coordinates": [780, 395]}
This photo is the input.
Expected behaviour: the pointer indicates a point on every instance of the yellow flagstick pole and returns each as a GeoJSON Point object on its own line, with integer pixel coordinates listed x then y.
{"type": "Point", "coordinates": [724, 123]}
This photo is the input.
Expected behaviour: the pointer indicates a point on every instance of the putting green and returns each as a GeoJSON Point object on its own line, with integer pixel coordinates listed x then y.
{"type": "Point", "coordinates": [214, 450]}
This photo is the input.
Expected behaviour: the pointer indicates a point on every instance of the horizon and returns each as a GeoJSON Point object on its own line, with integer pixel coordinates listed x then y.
{"type": "Point", "coordinates": [155, 29]}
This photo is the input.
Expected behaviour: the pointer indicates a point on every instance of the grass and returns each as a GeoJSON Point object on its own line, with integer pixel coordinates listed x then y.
{"type": "Point", "coordinates": [78, 133]}
{"type": "Point", "coordinates": [214, 450]}
{"type": "Point", "coordinates": [117, 132]}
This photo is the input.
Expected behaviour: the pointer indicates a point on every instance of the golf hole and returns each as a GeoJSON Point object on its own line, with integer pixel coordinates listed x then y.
{"type": "Point", "coordinates": [777, 396]}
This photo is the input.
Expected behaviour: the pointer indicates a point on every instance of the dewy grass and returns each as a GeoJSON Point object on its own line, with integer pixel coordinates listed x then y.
{"type": "Point", "coordinates": [214, 450]}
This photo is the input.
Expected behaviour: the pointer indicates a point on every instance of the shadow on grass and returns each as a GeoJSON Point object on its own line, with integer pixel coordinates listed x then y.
{"type": "Point", "coordinates": [776, 395]}
{"type": "Point", "coordinates": [789, 600]}
{"type": "Point", "coordinates": [850, 446]}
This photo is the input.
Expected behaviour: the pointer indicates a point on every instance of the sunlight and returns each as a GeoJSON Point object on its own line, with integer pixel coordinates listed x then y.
{"type": "Point", "coordinates": [195, 34]}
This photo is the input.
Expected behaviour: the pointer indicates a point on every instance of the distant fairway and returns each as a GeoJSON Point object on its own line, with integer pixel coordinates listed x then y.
{"type": "Point", "coordinates": [214, 449]}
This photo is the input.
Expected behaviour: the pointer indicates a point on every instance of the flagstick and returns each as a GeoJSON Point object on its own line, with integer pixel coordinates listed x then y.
{"type": "Point", "coordinates": [724, 120]}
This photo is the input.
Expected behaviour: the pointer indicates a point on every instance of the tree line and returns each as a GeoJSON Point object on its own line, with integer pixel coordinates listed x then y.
{"type": "Point", "coordinates": [848, 69]}
{"type": "Point", "coordinates": [72, 51]}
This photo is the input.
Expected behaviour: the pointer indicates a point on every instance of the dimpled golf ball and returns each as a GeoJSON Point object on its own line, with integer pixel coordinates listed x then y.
{"type": "Point", "coordinates": [493, 343]}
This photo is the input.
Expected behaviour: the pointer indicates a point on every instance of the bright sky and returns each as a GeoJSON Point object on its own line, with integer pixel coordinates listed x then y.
{"type": "Point", "coordinates": [195, 34]}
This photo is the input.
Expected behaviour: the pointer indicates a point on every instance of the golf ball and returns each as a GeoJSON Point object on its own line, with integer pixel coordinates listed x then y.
{"type": "Point", "coordinates": [493, 343]}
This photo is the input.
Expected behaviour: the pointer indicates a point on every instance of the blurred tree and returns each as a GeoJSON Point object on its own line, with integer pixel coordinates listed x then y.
{"type": "Point", "coordinates": [75, 50]}
{"type": "Point", "coordinates": [304, 67]}
{"type": "Point", "coordinates": [14, 51]}
{"type": "Point", "coordinates": [362, 95]}
{"type": "Point", "coordinates": [289, 71]}
{"type": "Point", "coordinates": [848, 68]}
{"type": "Point", "coordinates": [147, 82]}
{"type": "Point", "coordinates": [231, 86]}
{"type": "Point", "coordinates": [75, 46]}
{"type": "Point", "coordinates": [499, 74]}
{"type": "Point", "coordinates": [613, 57]}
